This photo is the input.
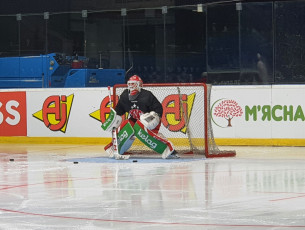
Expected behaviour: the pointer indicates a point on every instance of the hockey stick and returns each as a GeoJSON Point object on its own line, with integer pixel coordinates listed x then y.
{"type": "Point", "coordinates": [186, 120]}
{"type": "Point", "coordinates": [130, 61]}
{"type": "Point", "coordinates": [116, 154]}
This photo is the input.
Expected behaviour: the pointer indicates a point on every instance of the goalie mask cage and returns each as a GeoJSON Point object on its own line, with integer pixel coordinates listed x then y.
{"type": "Point", "coordinates": [186, 120]}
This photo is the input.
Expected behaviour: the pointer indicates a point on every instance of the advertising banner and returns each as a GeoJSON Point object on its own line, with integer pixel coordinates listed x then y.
{"type": "Point", "coordinates": [13, 113]}
{"type": "Point", "coordinates": [241, 112]}
{"type": "Point", "coordinates": [67, 112]}
{"type": "Point", "coordinates": [258, 111]}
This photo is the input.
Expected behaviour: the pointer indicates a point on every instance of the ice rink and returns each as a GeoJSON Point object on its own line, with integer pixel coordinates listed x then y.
{"type": "Point", "coordinates": [61, 187]}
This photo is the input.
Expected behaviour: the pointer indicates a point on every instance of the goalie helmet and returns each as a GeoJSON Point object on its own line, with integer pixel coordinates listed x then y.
{"type": "Point", "coordinates": [134, 84]}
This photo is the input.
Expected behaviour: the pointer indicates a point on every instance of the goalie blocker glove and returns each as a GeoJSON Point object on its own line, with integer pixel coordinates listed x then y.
{"type": "Point", "coordinates": [113, 121]}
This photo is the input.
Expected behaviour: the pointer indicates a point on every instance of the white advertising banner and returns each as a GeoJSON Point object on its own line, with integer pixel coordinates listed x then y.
{"type": "Point", "coordinates": [288, 109]}
{"type": "Point", "coordinates": [65, 112]}
{"type": "Point", "coordinates": [258, 111]}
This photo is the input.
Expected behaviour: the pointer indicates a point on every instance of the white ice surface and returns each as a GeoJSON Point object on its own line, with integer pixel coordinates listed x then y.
{"type": "Point", "coordinates": [44, 188]}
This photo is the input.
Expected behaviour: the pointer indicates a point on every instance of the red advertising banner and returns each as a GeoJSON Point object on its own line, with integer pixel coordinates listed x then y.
{"type": "Point", "coordinates": [13, 121]}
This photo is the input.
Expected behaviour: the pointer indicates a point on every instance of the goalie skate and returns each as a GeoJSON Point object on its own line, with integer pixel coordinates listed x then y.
{"type": "Point", "coordinates": [121, 157]}
{"type": "Point", "coordinates": [173, 155]}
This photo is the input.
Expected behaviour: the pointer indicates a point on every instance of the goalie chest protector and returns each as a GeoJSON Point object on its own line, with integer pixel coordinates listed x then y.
{"type": "Point", "coordinates": [144, 103]}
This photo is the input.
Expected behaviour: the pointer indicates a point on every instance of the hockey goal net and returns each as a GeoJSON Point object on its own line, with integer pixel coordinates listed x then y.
{"type": "Point", "coordinates": [186, 119]}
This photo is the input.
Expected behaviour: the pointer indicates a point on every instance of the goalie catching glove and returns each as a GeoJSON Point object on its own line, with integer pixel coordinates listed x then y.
{"type": "Point", "coordinates": [150, 120]}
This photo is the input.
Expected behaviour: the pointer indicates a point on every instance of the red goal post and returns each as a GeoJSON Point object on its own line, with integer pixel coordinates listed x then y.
{"type": "Point", "coordinates": [186, 119]}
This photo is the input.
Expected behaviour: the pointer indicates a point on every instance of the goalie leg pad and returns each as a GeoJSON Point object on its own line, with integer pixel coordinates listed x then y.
{"type": "Point", "coordinates": [112, 148]}
{"type": "Point", "coordinates": [125, 137]}
{"type": "Point", "coordinates": [152, 140]}
{"type": "Point", "coordinates": [128, 143]}
{"type": "Point", "coordinates": [167, 152]}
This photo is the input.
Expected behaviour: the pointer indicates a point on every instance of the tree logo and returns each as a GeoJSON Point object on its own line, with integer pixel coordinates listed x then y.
{"type": "Point", "coordinates": [226, 109]}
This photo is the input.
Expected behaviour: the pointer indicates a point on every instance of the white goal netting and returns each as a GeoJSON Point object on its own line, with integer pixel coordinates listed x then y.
{"type": "Point", "coordinates": [186, 119]}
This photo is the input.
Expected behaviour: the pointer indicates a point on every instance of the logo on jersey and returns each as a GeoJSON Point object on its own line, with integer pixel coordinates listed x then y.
{"type": "Point", "coordinates": [135, 112]}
